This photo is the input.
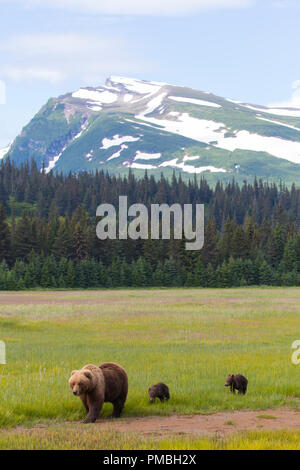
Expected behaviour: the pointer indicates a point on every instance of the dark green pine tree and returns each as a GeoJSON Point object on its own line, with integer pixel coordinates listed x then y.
{"type": "Point", "coordinates": [171, 273]}
{"type": "Point", "coordinates": [125, 274]}
{"type": "Point", "coordinates": [25, 238]}
{"type": "Point", "coordinates": [275, 246]}
{"type": "Point", "coordinates": [62, 245]}
{"type": "Point", "coordinates": [210, 251]}
{"type": "Point", "coordinates": [200, 276]}
{"type": "Point", "coordinates": [266, 275]}
{"type": "Point", "coordinates": [224, 275]}
{"type": "Point", "coordinates": [5, 248]}
{"type": "Point", "coordinates": [142, 273]}
{"type": "Point", "coordinates": [290, 261]}
{"type": "Point", "coordinates": [158, 275]}
{"type": "Point", "coordinates": [211, 279]}
{"type": "Point", "coordinates": [45, 275]}
{"type": "Point", "coordinates": [79, 241]}
{"type": "Point", "coordinates": [70, 275]}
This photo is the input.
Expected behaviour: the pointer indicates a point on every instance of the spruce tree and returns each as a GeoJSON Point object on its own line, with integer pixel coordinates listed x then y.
{"type": "Point", "coordinates": [5, 247]}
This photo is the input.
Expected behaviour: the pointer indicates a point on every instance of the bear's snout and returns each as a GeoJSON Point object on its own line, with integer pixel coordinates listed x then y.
{"type": "Point", "coordinates": [75, 393]}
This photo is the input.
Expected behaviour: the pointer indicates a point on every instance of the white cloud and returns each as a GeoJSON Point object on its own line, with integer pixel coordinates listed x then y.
{"type": "Point", "coordinates": [55, 57]}
{"type": "Point", "coordinates": [294, 101]}
{"type": "Point", "coordinates": [135, 7]}
{"type": "Point", "coordinates": [57, 44]}
{"type": "Point", "coordinates": [20, 74]}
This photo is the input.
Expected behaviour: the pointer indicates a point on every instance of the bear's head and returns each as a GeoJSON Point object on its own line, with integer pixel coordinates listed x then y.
{"type": "Point", "coordinates": [81, 381]}
{"type": "Point", "coordinates": [152, 394]}
{"type": "Point", "coordinates": [229, 380]}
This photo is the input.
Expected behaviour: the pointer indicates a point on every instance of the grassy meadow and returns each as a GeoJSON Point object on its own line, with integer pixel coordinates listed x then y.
{"type": "Point", "coordinates": [189, 338]}
{"type": "Point", "coordinates": [88, 438]}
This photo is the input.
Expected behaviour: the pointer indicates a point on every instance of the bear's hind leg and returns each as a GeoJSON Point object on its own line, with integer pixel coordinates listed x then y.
{"type": "Point", "coordinates": [118, 408]}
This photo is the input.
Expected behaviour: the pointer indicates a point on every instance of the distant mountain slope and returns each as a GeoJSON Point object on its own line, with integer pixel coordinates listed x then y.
{"type": "Point", "coordinates": [142, 125]}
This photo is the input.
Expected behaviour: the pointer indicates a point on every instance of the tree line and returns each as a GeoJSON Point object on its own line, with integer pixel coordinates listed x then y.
{"type": "Point", "coordinates": [48, 233]}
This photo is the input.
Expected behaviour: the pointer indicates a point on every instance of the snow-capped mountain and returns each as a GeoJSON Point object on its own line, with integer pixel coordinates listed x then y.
{"type": "Point", "coordinates": [138, 124]}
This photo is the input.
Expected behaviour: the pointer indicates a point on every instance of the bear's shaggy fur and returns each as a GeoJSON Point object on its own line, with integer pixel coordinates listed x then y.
{"type": "Point", "coordinates": [116, 386]}
{"type": "Point", "coordinates": [237, 382]}
{"type": "Point", "coordinates": [95, 385]}
{"type": "Point", "coordinates": [160, 391]}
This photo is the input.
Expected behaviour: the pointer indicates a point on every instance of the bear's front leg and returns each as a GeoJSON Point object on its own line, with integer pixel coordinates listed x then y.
{"type": "Point", "coordinates": [93, 414]}
{"type": "Point", "coordinates": [94, 403]}
{"type": "Point", "coordinates": [84, 401]}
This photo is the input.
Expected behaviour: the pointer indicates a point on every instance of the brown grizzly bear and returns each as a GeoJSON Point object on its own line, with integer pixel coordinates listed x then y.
{"type": "Point", "coordinates": [116, 386]}
{"type": "Point", "coordinates": [160, 391]}
{"type": "Point", "coordinates": [237, 382]}
{"type": "Point", "coordinates": [96, 385]}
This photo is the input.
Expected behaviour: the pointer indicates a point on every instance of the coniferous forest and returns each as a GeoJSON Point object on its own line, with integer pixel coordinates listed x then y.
{"type": "Point", "coordinates": [48, 233]}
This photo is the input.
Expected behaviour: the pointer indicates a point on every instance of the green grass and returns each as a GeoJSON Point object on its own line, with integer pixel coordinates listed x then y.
{"type": "Point", "coordinates": [66, 437]}
{"type": "Point", "coordinates": [189, 338]}
{"type": "Point", "coordinates": [266, 416]}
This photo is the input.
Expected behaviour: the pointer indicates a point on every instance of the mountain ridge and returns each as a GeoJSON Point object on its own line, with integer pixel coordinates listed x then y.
{"type": "Point", "coordinates": [155, 126]}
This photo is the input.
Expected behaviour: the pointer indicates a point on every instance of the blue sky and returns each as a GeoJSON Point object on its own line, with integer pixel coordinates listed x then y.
{"type": "Point", "coordinates": [242, 49]}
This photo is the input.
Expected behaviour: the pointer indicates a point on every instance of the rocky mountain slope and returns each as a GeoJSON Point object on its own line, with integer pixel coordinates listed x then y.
{"type": "Point", "coordinates": [158, 127]}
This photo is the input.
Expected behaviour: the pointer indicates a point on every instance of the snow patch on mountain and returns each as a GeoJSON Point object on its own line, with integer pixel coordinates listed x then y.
{"type": "Point", "coordinates": [190, 168]}
{"type": "Point", "coordinates": [279, 123]}
{"type": "Point", "coordinates": [275, 111]}
{"type": "Point", "coordinates": [4, 151]}
{"type": "Point", "coordinates": [127, 98]}
{"type": "Point", "coordinates": [117, 140]}
{"type": "Point", "coordinates": [201, 130]}
{"type": "Point", "coordinates": [118, 153]}
{"type": "Point", "coordinates": [99, 97]}
{"type": "Point", "coordinates": [212, 132]}
{"type": "Point", "coordinates": [233, 101]}
{"type": "Point", "coordinates": [195, 101]}
{"type": "Point", "coordinates": [137, 86]}
{"type": "Point", "coordinates": [89, 156]}
{"type": "Point", "coordinates": [275, 146]}
{"type": "Point", "coordinates": [140, 166]}
{"type": "Point", "coordinates": [146, 156]}
{"type": "Point", "coordinates": [187, 158]}
{"type": "Point", "coordinates": [154, 104]}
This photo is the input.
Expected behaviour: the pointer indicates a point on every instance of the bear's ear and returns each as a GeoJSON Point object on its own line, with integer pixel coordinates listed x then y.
{"type": "Point", "coordinates": [73, 372]}
{"type": "Point", "coordinates": [88, 374]}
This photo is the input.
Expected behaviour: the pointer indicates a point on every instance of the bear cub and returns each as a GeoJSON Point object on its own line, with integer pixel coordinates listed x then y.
{"type": "Point", "coordinates": [160, 391]}
{"type": "Point", "coordinates": [237, 382]}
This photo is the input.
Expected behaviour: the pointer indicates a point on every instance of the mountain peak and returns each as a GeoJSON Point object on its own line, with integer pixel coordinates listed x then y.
{"type": "Point", "coordinates": [134, 85]}
{"type": "Point", "coordinates": [142, 124]}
